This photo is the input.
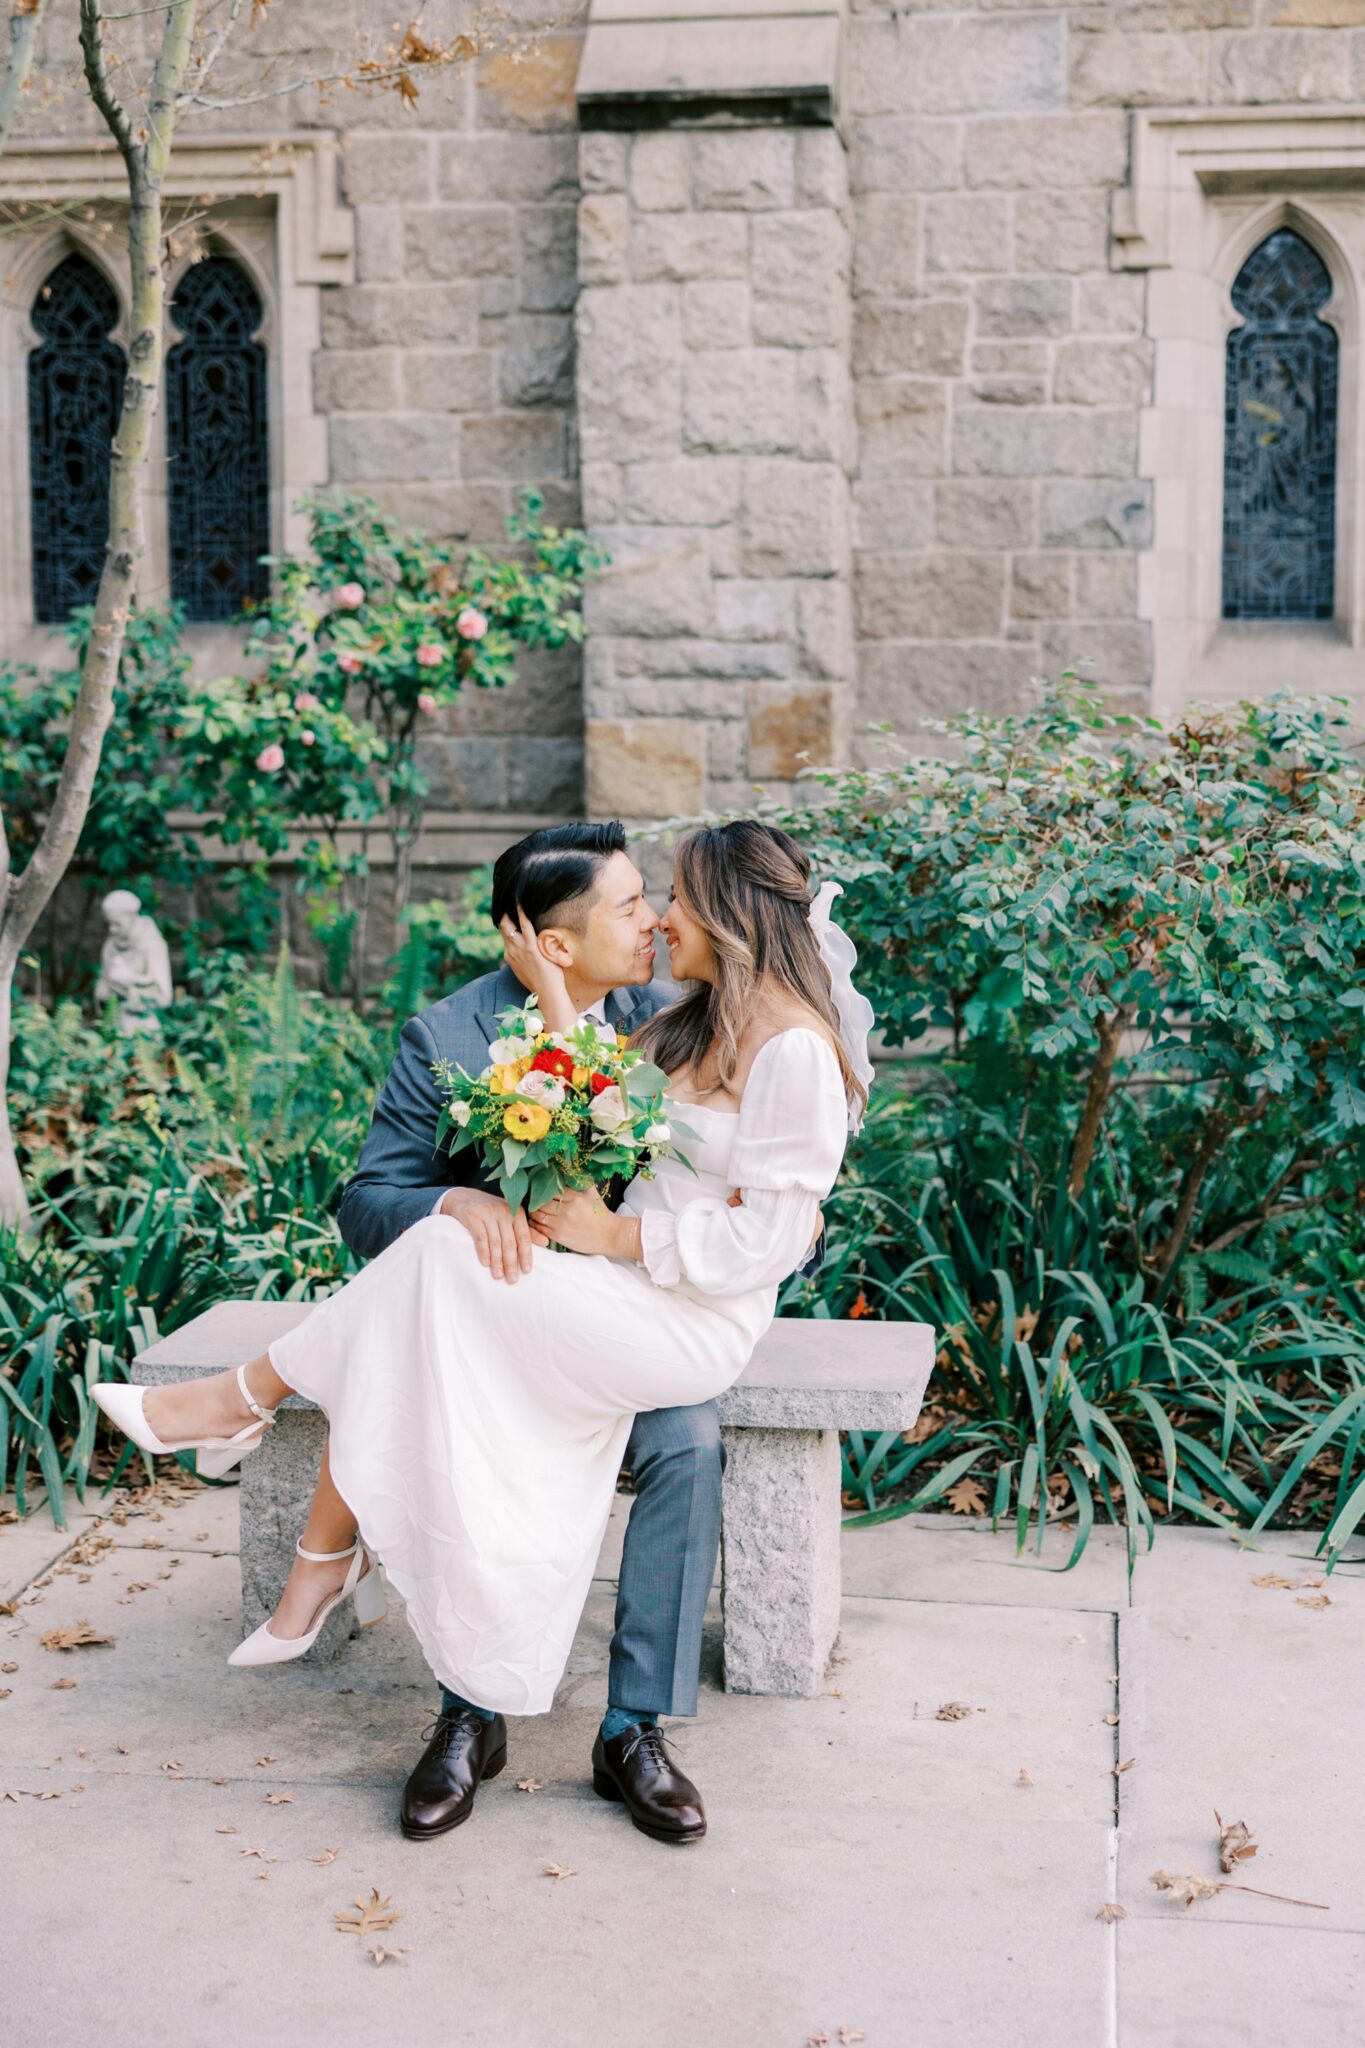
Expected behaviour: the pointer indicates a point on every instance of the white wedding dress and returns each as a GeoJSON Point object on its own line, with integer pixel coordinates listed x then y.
{"type": "Point", "coordinates": [477, 1429]}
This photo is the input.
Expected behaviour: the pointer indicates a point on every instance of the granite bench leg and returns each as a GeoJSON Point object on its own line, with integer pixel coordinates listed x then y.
{"type": "Point", "coordinates": [780, 1580]}
{"type": "Point", "coordinates": [277, 1486]}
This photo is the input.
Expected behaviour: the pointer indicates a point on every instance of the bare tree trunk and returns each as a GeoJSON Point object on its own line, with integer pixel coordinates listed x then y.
{"type": "Point", "coordinates": [25, 17]}
{"type": "Point", "coordinates": [145, 155]}
{"type": "Point", "coordinates": [1111, 1030]}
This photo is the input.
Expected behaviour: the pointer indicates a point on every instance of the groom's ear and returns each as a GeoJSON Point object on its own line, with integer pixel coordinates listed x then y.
{"type": "Point", "coordinates": [556, 943]}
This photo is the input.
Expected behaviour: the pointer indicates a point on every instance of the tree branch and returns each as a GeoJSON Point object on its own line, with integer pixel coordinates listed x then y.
{"type": "Point", "coordinates": [112, 110]}
{"type": "Point", "coordinates": [24, 23]}
{"type": "Point", "coordinates": [1111, 1030]}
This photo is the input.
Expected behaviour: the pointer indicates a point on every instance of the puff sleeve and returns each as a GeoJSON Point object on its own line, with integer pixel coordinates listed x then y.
{"type": "Point", "coordinates": [793, 1125]}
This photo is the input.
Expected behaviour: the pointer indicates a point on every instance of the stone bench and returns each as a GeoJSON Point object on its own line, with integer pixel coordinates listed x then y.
{"type": "Point", "coordinates": [780, 1569]}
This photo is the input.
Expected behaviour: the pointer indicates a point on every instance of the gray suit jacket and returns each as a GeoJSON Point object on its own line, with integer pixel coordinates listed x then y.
{"type": "Point", "coordinates": [400, 1173]}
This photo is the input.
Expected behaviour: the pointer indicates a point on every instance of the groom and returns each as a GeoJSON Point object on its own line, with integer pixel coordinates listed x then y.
{"type": "Point", "coordinates": [586, 899]}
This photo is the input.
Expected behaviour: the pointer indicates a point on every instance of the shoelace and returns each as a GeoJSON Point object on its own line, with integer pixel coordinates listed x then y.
{"type": "Point", "coordinates": [655, 1745]}
{"type": "Point", "coordinates": [460, 1723]}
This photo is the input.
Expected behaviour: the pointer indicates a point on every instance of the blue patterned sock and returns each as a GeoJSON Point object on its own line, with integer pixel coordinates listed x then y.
{"type": "Point", "coordinates": [618, 1719]}
{"type": "Point", "coordinates": [452, 1703]}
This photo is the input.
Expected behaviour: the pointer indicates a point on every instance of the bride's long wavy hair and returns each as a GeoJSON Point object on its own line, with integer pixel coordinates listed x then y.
{"type": "Point", "coordinates": [748, 887]}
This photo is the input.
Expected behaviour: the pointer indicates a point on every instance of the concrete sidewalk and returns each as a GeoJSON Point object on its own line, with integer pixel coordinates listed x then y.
{"type": "Point", "coordinates": [871, 1872]}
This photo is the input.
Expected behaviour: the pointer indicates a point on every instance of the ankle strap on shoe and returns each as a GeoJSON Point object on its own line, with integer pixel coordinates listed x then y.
{"type": "Point", "coordinates": [327, 1556]}
{"type": "Point", "coordinates": [265, 1414]}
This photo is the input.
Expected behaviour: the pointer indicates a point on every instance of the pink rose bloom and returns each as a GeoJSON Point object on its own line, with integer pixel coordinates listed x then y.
{"type": "Point", "coordinates": [306, 701]}
{"type": "Point", "coordinates": [307, 736]}
{"type": "Point", "coordinates": [429, 655]}
{"type": "Point", "coordinates": [349, 662]}
{"type": "Point", "coordinates": [426, 702]}
{"type": "Point", "coordinates": [471, 624]}
{"type": "Point", "coordinates": [350, 596]}
{"type": "Point", "coordinates": [270, 759]}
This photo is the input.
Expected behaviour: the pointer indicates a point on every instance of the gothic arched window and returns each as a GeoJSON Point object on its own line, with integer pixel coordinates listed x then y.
{"type": "Point", "coordinates": [75, 396]}
{"type": "Point", "coordinates": [1280, 451]}
{"type": "Point", "coordinates": [217, 442]}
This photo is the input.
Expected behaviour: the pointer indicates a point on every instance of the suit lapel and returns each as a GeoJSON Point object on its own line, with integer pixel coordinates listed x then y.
{"type": "Point", "coordinates": [506, 993]}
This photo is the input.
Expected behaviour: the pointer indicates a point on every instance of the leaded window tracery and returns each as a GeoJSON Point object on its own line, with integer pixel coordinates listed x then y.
{"type": "Point", "coordinates": [1279, 465]}
{"type": "Point", "coordinates": [75, 398]}
{"type": "Point", "coordinates": [217, 442]}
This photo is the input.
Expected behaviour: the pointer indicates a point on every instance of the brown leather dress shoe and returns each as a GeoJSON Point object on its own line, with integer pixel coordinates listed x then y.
{"type": "Point", "coordinates": [635, 1768]}
{"type": "Point", "coordinates": [464, 1750]}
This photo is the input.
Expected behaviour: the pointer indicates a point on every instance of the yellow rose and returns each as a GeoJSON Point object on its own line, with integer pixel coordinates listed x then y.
{"type": "Point", "coordinates": [503, 1080]}
{"type": "Point", "coordinates": [580, 1076]}
{"type": "Point", "coordinates": [526, 1121]}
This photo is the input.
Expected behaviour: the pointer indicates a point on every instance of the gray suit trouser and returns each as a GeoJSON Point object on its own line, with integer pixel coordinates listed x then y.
{"type": "Point", "coordinates": [676, 1458]}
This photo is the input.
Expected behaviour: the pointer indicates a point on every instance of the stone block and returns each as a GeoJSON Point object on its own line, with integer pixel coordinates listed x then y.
{"type": "Point", "coordinates": [603, 493]}
{"type": "Point", "coordinates": [368, 315]}
{"type": "Point", "coordinates": [445, 243]}
{"type": "Point", "coordinates": [902, 683]}
{"type": "Point", "coordinates": [659, 171]}
{"type": "Point", "coordinates": [985, 515]}
{"type": "Point", "coordinates": [1128, 68]}
{"type": "Point", "coordinates": [603, 232]}
{"type": "Point", "coordinates": [520, 446]}
{"type": "Point", "coordinates": [536, 360]}
{"type": "Point", "coordinates": [936, 596]}
{"type": "Point", "coordinates": [729, 660]}
{"type": "Point", "coordinates": [645, 767]}
{"type": "Point", "coordinates": [394, 446]}
{"type": "Point", "coordinates": [530, 84]}
{"type": "Point", "coordinates": [926, 337]}
{"type": "Point", "coordinates": [821, 168]}
{"type": "Point", "coordinates": [447, 379]}
{"type": "Point", "coordinates": [658, 584]}
{"type": "Point", "coordinates": [387, 170]}
{"type": "Point", "coordinates": [722, 551]}
{"type": "Point", "coordinates": [1096, 515]}
{"type": "Point", "coordinates": [791, 726]}
{"type": "Point", "coordinates": [1008, 387]}
{"type": "Point", "coordinates": [356, 380]}
{"type": "Point", "coordinates": [903, 427]}
{"type": "Point", "coordinates": [886, 245]}
{"type": "Point", "coordinates": [1102, 373]}
{"type": "Point", "coordinates": [630, 372]}
{"type": "Point", "coordinates": [675, 247]}
{"type": "Point", "coordinates": [824, 627]}
{"type": "Point", "coordinates": [1040, 587]}
{"type": "Point", "coordinates": [1067, 231]}
{"type": "Point", "coordinates": [378, 244]}
{"type": "Point", "coordinates": [781, 1566]}
{"type": "Point", "coordinates": [509, 167]}
{"type": "Point", "coordinates": [963, 232]}
{"type": "Point", "coordinates": [448, 510]}
{"type": "Point", "coordinates": [1053, 150]}
{"type": "Point", "coordinates": [544, 774]}
{"type": "Point", "coordinates": [799, 279]}
{"type": "Point", "coordinates": [794, 520]}
{"type": "Point", "coordinates": [548, 268]}
{"type": "Point", "coordinates": [749, 608]}
{"type": "Point", "coordinates": [902, 153]}
{"type": "Point", "coordinates": [957, 64]}
{"type": "Point", "coordinates": [824, 406]}
{"type": "Point", "coordinates": [1115, 653]}
{"type": "Point", "coordinates": [1106, 585]}
{"type": "Point", "coordinates": [603, 161]}
{"type": "Point", "coordinates": [466, 773]}
{"type": "Point", "coordinates": [740, 401]}
{"type": "Point", "coordinates": [698, 490]}
{"type": "Point", "coordinates": [1302, 64]}
{"type": "Point", "coordinates": [1111, 304]}
{"type": "Point", "coordinates": [1023, 305]}
{"type": "Point", "coordinates": [1044, 441]}
{"type": "Point", "coordinates": [744, 169]}
{"type": "Point", "coordinates": [716, 315]}
{"type": "Point", "coordinates": [891, 515]}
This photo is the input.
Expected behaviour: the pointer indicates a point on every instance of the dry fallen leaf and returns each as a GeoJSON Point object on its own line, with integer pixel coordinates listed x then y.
{"type": "Point", "coordinates": [1111, 1720]}
{"type": "Point", "coordinates": [966, 1498]}
{"type": "Point", "coordinates": [953, 1710]}
{"type": "Point", "coordinates": [49, 1795]}
{"type": "Point", "coordinates": [62, 1685]}
{"type": "Point", "coordinates": [1185, 1887]}
{"type": "Point", "coordinates": [77, 1635]}
{"type": "Point", "coordinates": [266, 1760]}
{"type": "Point", "coordinates": [9, 1606]}
{"type": "Point", "coordinates": [152, 1543]}
{"type": "Point", "coordinates": [528, 1785]}
{"type": "Point", "coordinates": [1110, 1911]}
{"type": "Point", "coordinates": [5, 1691]}
{"type": "Point", "coordinates": [1317, 1601]}
{"type": "Point", "coordinates": [1272, 1581]}
{"type": "Point", "coordinates": [225, 1831]}
{"type": "Point", "coordinates": [123, 1749]}
{"type": "Point", "coordinates": [15, 1796]}
{"type": "Point", "coordinates": [385, 1955]}
{"type": "Point", "coordinates": [220, 1781]}
{"type": "Point", "coordinates": [848, 2034]}
{"type": "Point", "coordinates": [1119, 1769]}
{"type": "Point", "coordinates": [260, 1853]}
{"type": "Point", "coordinates": [817, 2041]}
{"type": "Point", "coordinates": [373, 1916]}
{"type": "Point", "coordinates": [1234, 1843]}
{"type": "Point", "coordinates": [1023, 1778]}
{"type": "Point", "coordinates": [173, 1765]}
{"type": "Point", "coordinates": [9, 1666]}
{"type": "Point", "coordinates": [279, 1799]}
{"type": "Point", "coordinates": [557, 1871]}
{"type": "Point", "coordinates": [327, 1856]}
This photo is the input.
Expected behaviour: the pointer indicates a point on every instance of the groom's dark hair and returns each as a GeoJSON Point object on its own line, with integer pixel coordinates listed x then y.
{"type": "Point", "coordinates": [550, 874]}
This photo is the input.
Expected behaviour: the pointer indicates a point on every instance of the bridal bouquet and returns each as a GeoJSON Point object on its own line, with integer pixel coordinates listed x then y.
{"type": "Point", "coordinates": [552, 1111]}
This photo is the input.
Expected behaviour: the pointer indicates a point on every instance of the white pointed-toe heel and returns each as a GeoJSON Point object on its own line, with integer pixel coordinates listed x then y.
{"type": "Point", "coordinates": [122, 1403]}
{"type": "Point", "coordinates": [371, 1604]}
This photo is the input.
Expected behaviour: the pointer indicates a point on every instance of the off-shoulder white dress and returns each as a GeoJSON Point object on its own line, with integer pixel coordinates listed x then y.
{"type": "Point", "coordinates": [477, 1429]}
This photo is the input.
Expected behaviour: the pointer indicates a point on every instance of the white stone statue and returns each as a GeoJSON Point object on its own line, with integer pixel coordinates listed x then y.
{"type": "Point", "coordinates": [135, 965]}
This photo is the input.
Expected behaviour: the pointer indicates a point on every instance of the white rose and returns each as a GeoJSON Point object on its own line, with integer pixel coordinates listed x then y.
{"type": "Point", "coordinates": [533, 1024]}
{"type": "Point", "coordinates": [459, 1113]}
{"type": "Point", "coordinates": [546, 1089]}
{"type": "Point", "coordinates": [658, 1134]}
{"type": "Point", "coordinates": [609, 1112]}
{"type": "Point", "coordinates": [504, 1052]}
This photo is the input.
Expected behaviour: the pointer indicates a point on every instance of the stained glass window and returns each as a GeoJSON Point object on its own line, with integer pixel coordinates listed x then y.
{"type": "Point", "coordinates": [217, 442]}
{"type": "Point", "coordinates": [1280, 450]}
{"type": "Point", "coordinates": [75, 396]}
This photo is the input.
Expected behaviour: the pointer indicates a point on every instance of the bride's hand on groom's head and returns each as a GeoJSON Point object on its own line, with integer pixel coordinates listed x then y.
{"type": "Point", "coordinates": [544, 978]}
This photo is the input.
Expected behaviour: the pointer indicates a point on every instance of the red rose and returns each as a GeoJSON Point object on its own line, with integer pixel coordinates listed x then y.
{"type": "Point", "coordinates": [598, 1082]}
{"type": "Point", "coordinates": [553, 1061]}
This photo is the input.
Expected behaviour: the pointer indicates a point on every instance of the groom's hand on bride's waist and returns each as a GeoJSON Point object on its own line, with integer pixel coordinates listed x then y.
{"type": "Point", "coordinates": [504, 1239]}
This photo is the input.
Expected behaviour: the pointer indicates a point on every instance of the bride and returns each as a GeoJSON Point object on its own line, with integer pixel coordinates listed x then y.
{"type": "Point", "coordinates": [476, 1429]}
